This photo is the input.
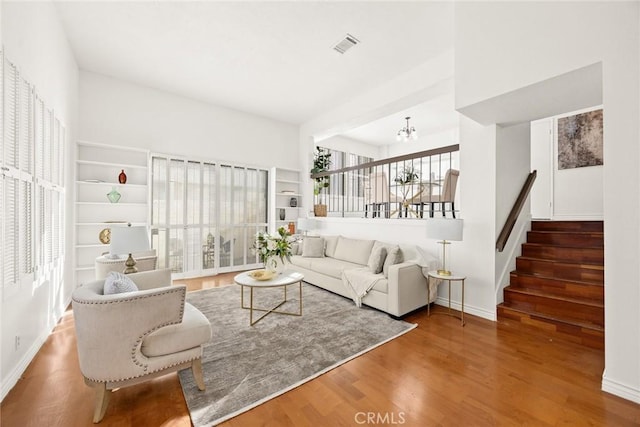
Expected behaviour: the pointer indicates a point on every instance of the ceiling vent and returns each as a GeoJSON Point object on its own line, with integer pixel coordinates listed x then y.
{"type": "Point", "coordinates": [346, 43]}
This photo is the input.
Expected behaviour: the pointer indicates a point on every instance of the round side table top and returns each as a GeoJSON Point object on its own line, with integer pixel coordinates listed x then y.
{"type": "Point", "coordinates": [286, 278]}
{"type": "Point", "coordinates": [436, 275]}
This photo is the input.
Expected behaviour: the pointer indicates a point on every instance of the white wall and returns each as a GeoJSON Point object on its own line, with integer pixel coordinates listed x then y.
{"type": "Point", "coordinates": [512, 168]}
{"type": "Point", "coordinates": [501, 47]}
{"type": "Point", "coordinates": [34, 40]}
{"type": "Point", "coordinates": [116, 112]}
{"type": "Point", "coordinates": [577, 193]}
{"type": "Point", "coordinates": [477, 184]}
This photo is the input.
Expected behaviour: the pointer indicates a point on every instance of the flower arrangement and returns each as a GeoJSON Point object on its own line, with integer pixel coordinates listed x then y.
{"type": "Point", "coordinates": [407, 175]}
{"type": "Point", "coordinates": [271, 246]}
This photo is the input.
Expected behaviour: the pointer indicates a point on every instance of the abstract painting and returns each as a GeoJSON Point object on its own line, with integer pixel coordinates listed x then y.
{"type": "Point", "coordinates": [580, 140]}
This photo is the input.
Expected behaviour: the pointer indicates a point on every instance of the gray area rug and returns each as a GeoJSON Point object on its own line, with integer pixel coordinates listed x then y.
{"type": "Point", "coordinates": [245, 366]}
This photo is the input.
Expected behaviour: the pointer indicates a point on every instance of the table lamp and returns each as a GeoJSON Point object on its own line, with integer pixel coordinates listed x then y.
{"type": "Point", "coordinates": [128, 240]}
{"type": "Point", "coordinates": [306, 224]}
{"type": "Point", "coordinates": [447, 229]}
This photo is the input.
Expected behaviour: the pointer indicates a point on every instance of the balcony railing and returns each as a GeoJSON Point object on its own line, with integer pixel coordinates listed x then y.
{"type": "Point", "coordinates": [416, 185]}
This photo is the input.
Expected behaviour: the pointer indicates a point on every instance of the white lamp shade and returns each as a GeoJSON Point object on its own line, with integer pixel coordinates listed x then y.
{"type": "Point", "coordinates": [127, 240]}
{"type": "Point", "coordinates": [444, 229]}
{"type": "Point", "coordinates": [306, 224]}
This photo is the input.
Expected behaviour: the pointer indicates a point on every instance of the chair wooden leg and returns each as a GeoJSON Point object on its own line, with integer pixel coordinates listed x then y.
{"type": "Point", "coordinates": [102, 401]}
{"type": "Point", "coordinates": [431, 208]}
{"type": "Point", "coordinates": [196, 370]}
{"type": "Point", "coordinates": [453, 210]}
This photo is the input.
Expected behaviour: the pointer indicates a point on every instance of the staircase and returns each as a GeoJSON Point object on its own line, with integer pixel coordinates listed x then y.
{"type": "Point", "coordinates": [558, 284]}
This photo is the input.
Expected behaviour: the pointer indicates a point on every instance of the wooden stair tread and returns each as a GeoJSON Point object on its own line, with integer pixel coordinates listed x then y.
{"type": "Point", "coordinates": [569, 263]}
{"type": "Point", "coordinates": [543, 294]}
{"type": "Point", "coordinates": [549, 245]}
{"type": "Point", "coordinates": [567, 225]}
{"type": "Point", "coordinates": [556, 319]}
{"type": "Point", "coordinates": [543, 276]}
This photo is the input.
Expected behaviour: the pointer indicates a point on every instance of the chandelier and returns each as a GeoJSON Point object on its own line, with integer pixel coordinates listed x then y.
{"type": "Point", "coordinates": [407, 132]}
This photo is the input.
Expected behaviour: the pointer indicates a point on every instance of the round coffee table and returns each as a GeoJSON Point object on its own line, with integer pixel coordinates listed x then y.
{"type": "Point", "coordinates": [281, 280]}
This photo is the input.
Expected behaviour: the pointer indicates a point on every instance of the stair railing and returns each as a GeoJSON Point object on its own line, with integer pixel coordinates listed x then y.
{"type": "Point", "coordinates": [515, 211]}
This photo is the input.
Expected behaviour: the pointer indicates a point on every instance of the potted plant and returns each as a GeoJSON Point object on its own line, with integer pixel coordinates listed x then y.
{"type": "Point", "coordinates": [321, 163]}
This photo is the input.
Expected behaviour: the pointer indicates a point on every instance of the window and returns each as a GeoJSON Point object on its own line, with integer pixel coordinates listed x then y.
{"type": "Point", "coordinates": [31, 161]}
{"type": "Point", "coordinates": [204, 216]}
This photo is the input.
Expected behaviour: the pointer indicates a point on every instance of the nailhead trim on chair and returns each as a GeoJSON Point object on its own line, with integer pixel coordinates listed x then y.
{"type": "Point", "coordinates": [146, 373]}
{"type": "Point", "coordinates": [138, 343]}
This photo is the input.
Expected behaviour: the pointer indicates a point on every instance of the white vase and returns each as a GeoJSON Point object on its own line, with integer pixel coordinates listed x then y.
{"type": "Point", "coordinates": [275, 264]}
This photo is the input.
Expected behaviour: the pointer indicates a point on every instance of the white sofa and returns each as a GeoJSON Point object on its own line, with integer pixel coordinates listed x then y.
{"type": "Point", "coordinates": [401, 290]}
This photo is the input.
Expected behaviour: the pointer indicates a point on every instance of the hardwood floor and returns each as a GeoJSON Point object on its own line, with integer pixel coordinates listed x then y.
{"type": "Point", "coordinates": [440, 373]}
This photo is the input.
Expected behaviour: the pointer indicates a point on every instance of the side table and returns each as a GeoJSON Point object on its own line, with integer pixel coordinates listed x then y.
{"type": "Point", "coordinates": [434, 275]}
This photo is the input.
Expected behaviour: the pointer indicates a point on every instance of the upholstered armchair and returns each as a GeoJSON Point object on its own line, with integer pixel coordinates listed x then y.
{"type": "Point", "coordinates": [127, 338]}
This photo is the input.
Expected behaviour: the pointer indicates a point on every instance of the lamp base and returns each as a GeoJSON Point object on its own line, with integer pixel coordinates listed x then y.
{"type": "Point", "coordinates": [444, 272]}
{"type": "Point", "coordinates": [130, 263]}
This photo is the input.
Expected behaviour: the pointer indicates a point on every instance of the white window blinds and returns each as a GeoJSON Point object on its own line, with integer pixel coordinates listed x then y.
{"type": "Point", "coordinates": [31, 191]}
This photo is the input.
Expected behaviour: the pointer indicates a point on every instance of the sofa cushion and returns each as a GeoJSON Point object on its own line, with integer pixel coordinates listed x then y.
{"type": "Point", "coordinates": [376, 259]}
{"type": "Point", "coordinates": [330, 245]}
{"type": "Point", "coordinates": [117, 283]}
{"type": "Point", "coordinates": [382, 286]}
{"type": "Point", "coordinates": [353, 250]}
{"type": "Point", "coordinates": [300, 261]}
{"type": "Point", "coordinates": [193, 331]}
{"type": "Point", "coordinates": [393, 257]}
{"type": "Point", "coordinates": [331, 266]}
{"type": "Point", "coordinates": [313, 247]}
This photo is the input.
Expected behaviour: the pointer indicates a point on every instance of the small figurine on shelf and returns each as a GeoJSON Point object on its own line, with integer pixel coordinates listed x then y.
{"type": "Point", "coordinates": [122, 178]}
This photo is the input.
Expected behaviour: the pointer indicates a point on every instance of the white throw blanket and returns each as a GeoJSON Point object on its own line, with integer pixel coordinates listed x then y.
{"type": "Point", "coordinates": [359, 281]}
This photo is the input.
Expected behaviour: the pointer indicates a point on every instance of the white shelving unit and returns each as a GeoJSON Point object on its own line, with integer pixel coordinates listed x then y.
{"type": "Point", "coordinates": [96, 174]}
{"type": "Point", "coordinates": [283, 186]}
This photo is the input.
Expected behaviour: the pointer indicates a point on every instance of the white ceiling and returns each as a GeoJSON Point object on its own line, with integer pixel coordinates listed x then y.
{"type": "Point", "coordinates": [434, 116]}
{"type": "Point", "coordinates": [273, 59]}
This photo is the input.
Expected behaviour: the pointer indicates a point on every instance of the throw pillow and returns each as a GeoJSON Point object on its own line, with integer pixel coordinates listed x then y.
{"type": "Point", "coordinates": [393, 257]}
{"type": "Point", "coordinates": [296, 248]}
{"type": "Point", "coordinates": [330, 243]}
{"type": "Point", "coordinates": [313, 247]}
{"type": "Point", "coordinates": [117, 283]}
{"type": "Point", "coordinates": [376, 260]}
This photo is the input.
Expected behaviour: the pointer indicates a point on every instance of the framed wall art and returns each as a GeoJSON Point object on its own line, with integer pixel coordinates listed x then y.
{"type": "Point", "coordinates": [580, 140]}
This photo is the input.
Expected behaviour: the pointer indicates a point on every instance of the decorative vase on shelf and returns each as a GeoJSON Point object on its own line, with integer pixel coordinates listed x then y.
{"type": "Point", "coordinates": [283, 214]}
{"type": "Point", "coordinates": [122, 178]}
{"type": "Point", "coordinates": [113, 195]}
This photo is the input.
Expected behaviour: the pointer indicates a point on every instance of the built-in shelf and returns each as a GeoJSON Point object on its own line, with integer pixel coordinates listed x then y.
{"type": "Point", "coordinates": [97, 170]}
{"type": "Point", "coordinates": [284, 184]}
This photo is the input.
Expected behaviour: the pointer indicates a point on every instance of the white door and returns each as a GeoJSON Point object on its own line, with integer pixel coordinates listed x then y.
{"type": "Point", "coordinates": [541, 161]}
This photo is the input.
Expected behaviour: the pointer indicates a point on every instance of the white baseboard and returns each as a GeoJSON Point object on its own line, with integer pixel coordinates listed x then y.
{"type": "Point", "coordinates": [621, 390]}
{"type": "Point", "coordinates": [468, 309]}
